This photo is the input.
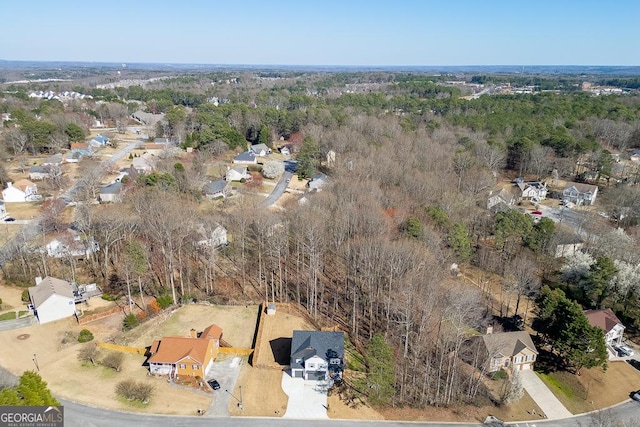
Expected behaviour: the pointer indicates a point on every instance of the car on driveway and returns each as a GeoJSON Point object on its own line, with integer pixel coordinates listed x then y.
{"type": "Point", "coordinates": [214, 384]}
{"type": "Point", "coordinates": [623, 350]}
{"type": "Point", "coordinates": [9, 219]}
{"type": "Point", "coordinates": [636, 396]}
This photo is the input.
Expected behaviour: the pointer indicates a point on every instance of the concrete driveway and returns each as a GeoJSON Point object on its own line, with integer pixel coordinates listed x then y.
{"type": "Point", "coordinates": [226, 373]}
{"type": "Point", "coordinates": [307, 399]}
{"type": "Point", "coordinates": [544, 398]}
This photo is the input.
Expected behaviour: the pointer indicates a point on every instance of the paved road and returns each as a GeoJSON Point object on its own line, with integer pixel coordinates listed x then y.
{"type": "Point", "coordinates": [543, 397]}
{"type": "Point", "coordinates": [77, 415]}
{"type": "Point", "coordinates": [7, 325]}
{"type": "Point", "coordinates": [278, 190]}
{"type": "Point", "coordinates": [226, 373]}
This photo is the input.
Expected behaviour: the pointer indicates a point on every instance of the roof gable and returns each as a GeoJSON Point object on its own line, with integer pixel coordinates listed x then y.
{"type": "Point", "coordinates": [604, 319]}
{"type": "Point", "coordinates": [508, 343]}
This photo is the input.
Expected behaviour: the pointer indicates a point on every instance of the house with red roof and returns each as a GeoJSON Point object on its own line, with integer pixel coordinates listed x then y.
{"type": "Point", "coordinates": [185, 355]}
{"type": "Point", "coordinates": [606, 320]}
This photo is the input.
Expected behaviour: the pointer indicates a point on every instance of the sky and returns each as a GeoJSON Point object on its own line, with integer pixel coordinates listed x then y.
{"type": "Point", "coordinates": [324, 32]}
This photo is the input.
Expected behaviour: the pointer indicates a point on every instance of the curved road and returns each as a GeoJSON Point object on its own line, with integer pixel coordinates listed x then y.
{"type": "Point", "coordinates": [77, 415]}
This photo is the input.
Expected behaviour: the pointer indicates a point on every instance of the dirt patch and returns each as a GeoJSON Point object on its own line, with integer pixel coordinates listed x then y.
{"type": "Point", "coordinates": [11, 298]}
{"type": "Point", "coordinates": [272, 345]}
{"type": "Point", "coordinates": [238, 324]}
{"type": "Point", "coordinates": [262, 394]}
{"type": "Point", "coordinates": [23, 337]}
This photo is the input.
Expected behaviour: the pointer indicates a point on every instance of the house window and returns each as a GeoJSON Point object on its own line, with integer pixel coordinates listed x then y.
{"type": "Point", "coordinates": [298, 360]}
{"type": "Point", "coordinates": [312, 365]}
{"type": "Point", "coordinates": [183, 366]}
{"type": "Point", "coordinates": [334, 362]}
{"type": "Point", "coordinates": [195, 367]}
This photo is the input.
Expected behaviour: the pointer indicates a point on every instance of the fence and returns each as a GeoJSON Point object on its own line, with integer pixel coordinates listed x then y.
{"type": "Point", "coordinates": [122, 348]}
{"type": "Point", "coordinates": [93, 317]}
{"type": "Point", "coordinates": [232, 350]}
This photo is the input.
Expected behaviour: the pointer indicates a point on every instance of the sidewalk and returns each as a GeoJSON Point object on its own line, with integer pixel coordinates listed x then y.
{"type": "Point", "coordinates": [544, 398]}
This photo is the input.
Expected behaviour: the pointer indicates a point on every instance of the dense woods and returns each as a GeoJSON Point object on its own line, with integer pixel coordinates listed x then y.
{"type": "Point", "coordinates": [414, 164]}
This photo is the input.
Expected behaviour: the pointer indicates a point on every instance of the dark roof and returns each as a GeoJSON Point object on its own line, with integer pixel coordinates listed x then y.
{"type": "Point", "coordinates": [114, 188]}
{"type": "Point", "coordinates": [245, 157]}
{"type": "Point", "coordinates": [306, 344]}
{"type": "Point", "coordinates": [604, 319]}
{"type": "Point", "coordinates": [215, 187]}
{"type": "Point", "coordinates": [39, 169]}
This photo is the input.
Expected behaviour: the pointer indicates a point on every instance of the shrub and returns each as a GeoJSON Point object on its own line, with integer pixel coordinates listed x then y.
{"type": "Point", "coordinates": [114, 360]}
{"type": "Point", "coordinates": [25, 296]}
{"type": "Point", "coordinates": [85, 336]}
{"type": "Point", "coordinates": [108, 297]}
{"type": "Point", "coordinates": [154, 307]}
{"type": "Point", "coordinates": [164, 301]}
{"type": "Point", "coordinates": [132, 390]}
{"type": "Point", "coordinates": [499, 375]}
{"type": "Point", "coordinates": [89, 353]}
{"type": "Point", "coordinates": [130, 321]}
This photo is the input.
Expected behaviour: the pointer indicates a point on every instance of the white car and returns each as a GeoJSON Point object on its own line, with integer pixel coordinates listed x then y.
{"type": "Point", "coordinates": [623, 350]}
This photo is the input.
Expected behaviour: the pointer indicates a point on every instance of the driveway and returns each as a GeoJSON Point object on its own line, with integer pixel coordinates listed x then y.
{"type": "Point", "coordinates": [544, 398]}
{"type": "Point", "coordinates": [226, 372]}
{"type": "Point", "coordinates": [307, 399]}
{"type": "Point", "coordinates": [278, 190]}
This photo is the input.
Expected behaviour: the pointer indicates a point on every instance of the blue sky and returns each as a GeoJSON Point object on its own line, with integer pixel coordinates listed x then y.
{"type": "Point", "coordinates": [324, 32]}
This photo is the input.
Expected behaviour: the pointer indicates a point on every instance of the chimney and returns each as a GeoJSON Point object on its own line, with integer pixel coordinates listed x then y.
{"type": "Point", "coordinates": [489, 329]}
{"type": "Point", "coordinates": [193, 333]}
{"type": "Point", "coordinates": [38, 279]}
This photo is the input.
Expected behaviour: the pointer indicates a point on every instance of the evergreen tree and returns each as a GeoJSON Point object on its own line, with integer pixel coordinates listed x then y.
{"type": "Point", "coordinates": [380, 376]}
{"type": "Point", "coordinates": [308, 158]}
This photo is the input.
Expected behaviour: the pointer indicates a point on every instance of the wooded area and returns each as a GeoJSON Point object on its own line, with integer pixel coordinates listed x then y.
{"type": "Point", "coordinates": [414, 165]}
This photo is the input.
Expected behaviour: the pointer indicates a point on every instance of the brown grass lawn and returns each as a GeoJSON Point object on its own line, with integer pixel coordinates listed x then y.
{"type": "Point", "coordinates": [7, 232]}
{"type": "Point", "coordinates": [281, 325]}
{"type": "Point", "coordinates": [594, 389]}
{"type": "Point", "coordinates": [11, 298]}
{"type": "Point", "coordinates": [23, 210]}
{"type": "Point", "coordinates": [262, 393]}
{"type": "Point", "coordinates": [238, 324]}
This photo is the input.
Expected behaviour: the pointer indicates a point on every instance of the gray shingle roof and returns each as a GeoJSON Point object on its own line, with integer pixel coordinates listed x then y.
{"type": "Point", "coordinates": [215, 187]}
{"type": "Point", "coordinates": [306, 344]}
{"type": "Point", "coordinates": [508, 343]}
{"type": "Point", "coordinates": [47, 287]}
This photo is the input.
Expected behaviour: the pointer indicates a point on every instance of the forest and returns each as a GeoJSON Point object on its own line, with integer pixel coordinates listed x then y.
{"type": "Point", "coordinates": [415, 162]}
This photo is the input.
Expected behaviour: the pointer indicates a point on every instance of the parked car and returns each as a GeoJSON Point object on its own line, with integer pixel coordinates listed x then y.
{"type": "Point", "coordinates": [9, 219]}
{"type": "Point", "coordinates": [636, 396]}
{"type": "Point", "coordinates": [214, 384]}
{"type": "Point", "coordinates": [623, 350]}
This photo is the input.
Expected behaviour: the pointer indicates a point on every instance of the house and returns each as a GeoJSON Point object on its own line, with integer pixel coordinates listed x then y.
{"type": "Point", "coordinates": [317, 355]}
{"type": "Point", "coordinates": [39, 172]}
{"type": "Point", "coordinates": [69, 243]}
{"type": "Point", "coordinates": [500, 201]}
{"type": "Point", "coordinates": [22, 191]}
{"type": "Point", "coordinates": [580, 194]}
{"type": "Point", "coordinates": [81, 148]}
{"type": "Point", "coordinates": [55, 160]}
{"type": "Point", "coordinates": [215, 189]}
{"type": "Point", "coordinates": [237, 173]}
{"type": "Point", "coordinates": [187, 356]}
{"type": "Point", "coordinates": [260, 150]}
{"type": "Point", "coordinates": [514, 350]}
{"type": "Point", "coordinates": [52, 299]}
{"type": "Point", "coordinates": [567, 244]}
{"type": "Point", "coordinates": [144, 164]}
{"type": "Point", "coordinates": [318, 181]}
{"type": "Point", "coordinates": [147, 118]}
{"type": "Point", "coordinates": [606, 320]}
{"type": "Point", "coordinates": [99, 141]}
{"type": "Point", "coordinates": [534, 191]}
{"type": "Point", "coordinates": [284, 150]}
{"type": "Point", "coordinates": [111, 193]}
{"type": "Point", "coordinates": [213, 239]}
{"type": "Point", "coordinates": [246, 158]}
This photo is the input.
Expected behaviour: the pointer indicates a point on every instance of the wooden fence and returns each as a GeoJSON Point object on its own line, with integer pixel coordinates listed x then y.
{"type": "Point", "coordinates": [232, 350]}
{"type": "Point", "coordinates": [93, 317]}
{"type": "Point", "coordinates": [122, 348]}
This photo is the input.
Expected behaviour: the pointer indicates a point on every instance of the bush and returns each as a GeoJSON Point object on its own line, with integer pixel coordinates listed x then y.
{"type": "Point", "coordinates": [89, 353]}
{"type": "Point", "coordinates": [132, 390]}
{"type": "Point", "coordinates": [164, 301]}
{"type": "Point", "coordinates": [108, 297]}
{"type": "Point", "coordinates": [85, 336]}
{"type": "Point", "coordinates": [25, 296]}
{"type": "Point", "coordinates": [130, 321]}
{"type": "Point", "coordinates": [114, 360]}
{"type": "Point", "coordinates": [499, 375]}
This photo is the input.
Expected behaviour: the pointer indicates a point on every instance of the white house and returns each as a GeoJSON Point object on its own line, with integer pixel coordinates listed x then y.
{"type": "Point", "coordinates": [144, 163]}
{"type": "Point", "coordinates": [580, 194]}
{"type": "Point", "coordinates": [23, 191]}
{"type": "Point", "coordinates": [69, 243]}
{"type": "Point", "coordinates": [534, 191]}
{"type": "Point", "coordinates": [606, 320]}
{"type": "Point", "coordinates": [216, 238]}
{"type": "Point", "coordinates": [318, 181]}
{"type": "Point", "coordinates": [52, 299]}
{"type": "Point", "coordinates": [237, 173]}
{"type": "Point", "coordinates": [260, 150]}
{"type": "Point", "coordinates": [111, 193]}
{"type": "Point", "coordinates": [317, 355]}
{"type": "Point", "coordinates": [99, 141]}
